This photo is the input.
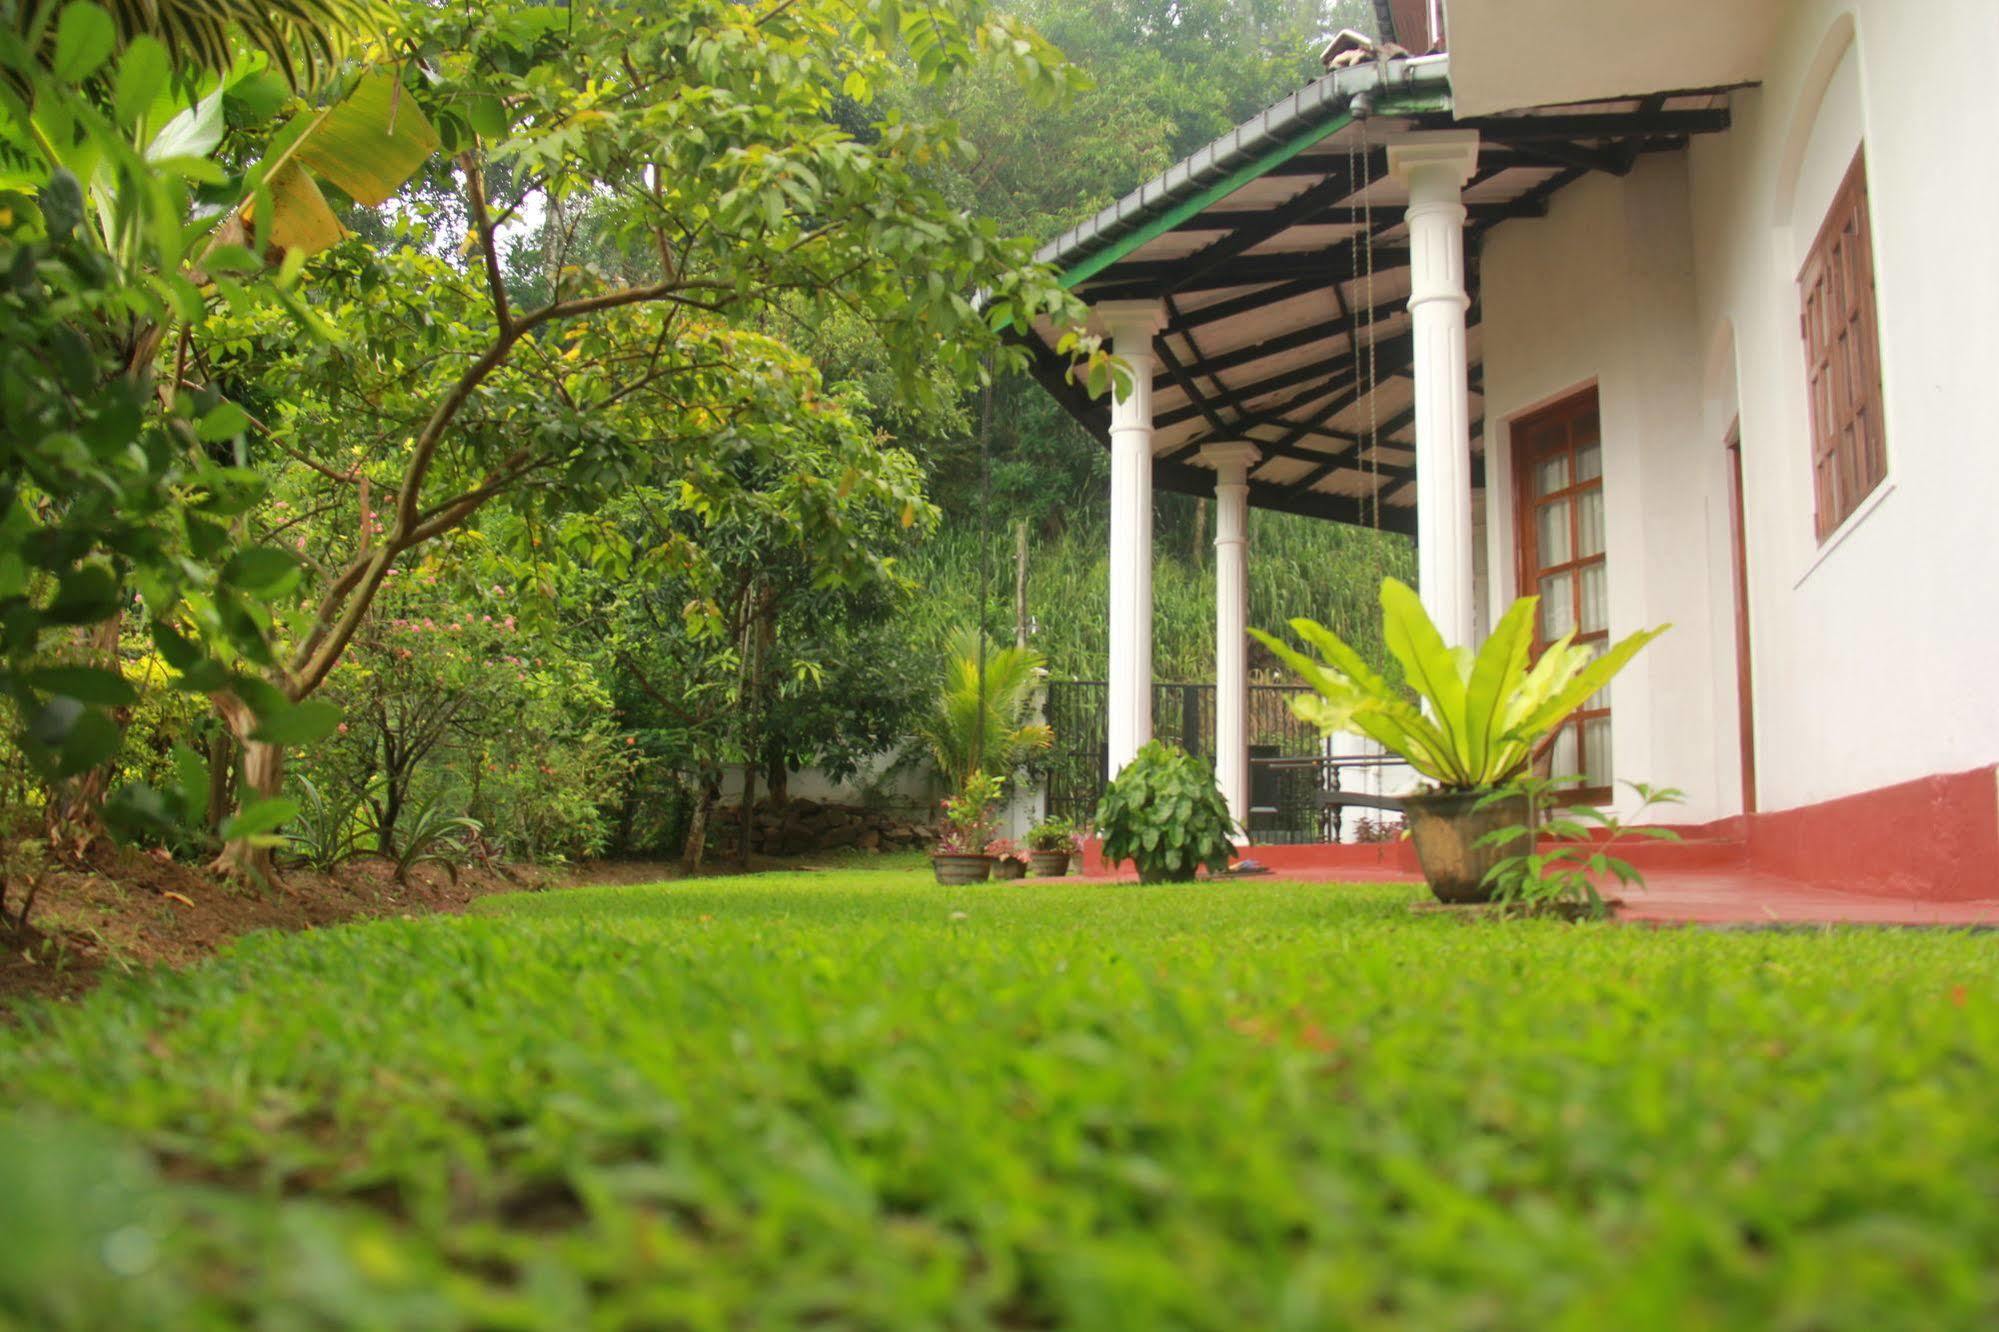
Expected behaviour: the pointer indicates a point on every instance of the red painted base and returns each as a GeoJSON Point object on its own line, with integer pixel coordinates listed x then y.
{"type": "Point", "coordinates": [1933, 840]}
{"type": "Point", "coordinates": [1924, 852]}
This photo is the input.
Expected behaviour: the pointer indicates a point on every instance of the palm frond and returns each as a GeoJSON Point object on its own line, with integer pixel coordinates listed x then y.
{"type": "Point", "coordinates": [970, 729]}
{"type": "Point", "coordinates": [303, 38]}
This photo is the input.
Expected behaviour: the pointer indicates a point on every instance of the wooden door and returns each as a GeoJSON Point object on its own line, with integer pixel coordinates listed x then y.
{"type": "Point", "coordinates": [1558, 487]}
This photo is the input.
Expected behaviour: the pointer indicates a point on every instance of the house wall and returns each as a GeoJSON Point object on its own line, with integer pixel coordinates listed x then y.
{"type": "Point", "coordinates": [1559, 295]}
{"type": "Point", "coordinates": [1675, 289]}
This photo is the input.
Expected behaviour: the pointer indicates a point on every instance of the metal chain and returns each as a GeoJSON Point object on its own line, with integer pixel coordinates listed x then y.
{"type": "Point", "coordinates": [1373, 375]}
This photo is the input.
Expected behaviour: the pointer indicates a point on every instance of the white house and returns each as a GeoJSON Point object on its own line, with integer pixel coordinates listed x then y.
{"type": "Point", "coordinates": [1672, 313]}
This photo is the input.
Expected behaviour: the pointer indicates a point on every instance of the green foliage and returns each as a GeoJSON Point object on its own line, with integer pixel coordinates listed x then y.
{"type": "Point", "coordinates": [1301, 566]}
{"type": "Point", "coordinates": [981, 721]}
{"type": "Point", "coordinates": [1056, 834]}
{"type": "Point", "coordinates": [1562, 854]}
{"type": "Point", "coordinates": [433, 835]}
{"type": "Point", "coordinates": [644, 1107]}
{"type": "Point", "coordinates": [1165, 813]}
{"type": "Point", "coordinates": [968, 815]}
{"type": "Point", "coordinates": [1482, 714]}
{"type": "Point", "coordinates": [326, 833]}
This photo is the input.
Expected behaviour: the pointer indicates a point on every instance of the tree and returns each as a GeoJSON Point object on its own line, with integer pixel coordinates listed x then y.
{"type": "Point", "coordinates": [981, 719]}
{"type": "Point", "coordinates": [699, 138]}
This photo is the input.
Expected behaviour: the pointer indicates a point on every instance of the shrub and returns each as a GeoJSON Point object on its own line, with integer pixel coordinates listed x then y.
{"type": "Point", "coordinates": [1165, 812]}
{"type": "Point", "coordinates": [968, 817]}
{"type": "Point", "coordinates": [1056, 834]}
{"type": "Point", "coordinates": [1483, 714]}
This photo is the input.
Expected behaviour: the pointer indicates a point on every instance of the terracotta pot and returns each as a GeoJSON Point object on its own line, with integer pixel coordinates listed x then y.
{"type": "Point", "coordinates": [1007, 867]}
{"type": "Point", "coordinates": [952, 869]}
{"type": "Point", "coordinates": [1048, 864]}
{"type": "Point", "coordinates": [1446, 828]}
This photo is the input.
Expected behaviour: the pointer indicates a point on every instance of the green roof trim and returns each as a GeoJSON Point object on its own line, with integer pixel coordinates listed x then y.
{"type": "Point", "coordinates": [1199, 203]}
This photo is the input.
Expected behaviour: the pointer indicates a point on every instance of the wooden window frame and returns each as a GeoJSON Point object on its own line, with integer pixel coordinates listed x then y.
{"type": "Point", "coordinates": [1839, 323]}
{"type": "Point", "coordinates": [1529, 571]}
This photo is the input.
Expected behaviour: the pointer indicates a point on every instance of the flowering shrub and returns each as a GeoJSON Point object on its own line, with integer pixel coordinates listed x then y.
{"type": "Point", "coordinates": [968, 817]}
{"type": "Point", "coordinates": [449, 701]}
{"type": "Point", "coordinates": [1004, 849]}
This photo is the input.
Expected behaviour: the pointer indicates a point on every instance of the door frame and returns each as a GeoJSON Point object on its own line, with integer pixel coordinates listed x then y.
{"type": "Point", "coordinates": [1745, 693]}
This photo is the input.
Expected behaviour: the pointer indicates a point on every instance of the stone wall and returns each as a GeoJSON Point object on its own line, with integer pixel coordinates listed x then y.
{"type": "Point", "coordinates": [800, 827]}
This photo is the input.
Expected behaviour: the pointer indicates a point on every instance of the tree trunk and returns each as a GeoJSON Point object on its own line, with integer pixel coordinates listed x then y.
{"type": "Point", "coordinates": [777, 775]}
{"type": "Point", "coordinates": [1198, 552]}
{"type": "Point", "coordinates": [263, 778]}
{"type": "Point", "coordinates": [74, 814]}
{"type": "Point", "coordinates": [221, 777]}
{"type": "Point", "coordinates": [696, 847]}
{"type": "Point", "coordinates": [1020, 583]}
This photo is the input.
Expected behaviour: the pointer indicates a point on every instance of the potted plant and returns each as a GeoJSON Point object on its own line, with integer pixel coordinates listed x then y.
{"type": "Point", "coordinates": [1477, 721]}
{"type": "Point", "coordinates": [1165, 813]}
{"type": "Point", "coordinates": [1009, 861]}
{"type": "Point", "coordinates": [1051, 844]}
{"type": "Point", "coordinates": [960, 855]}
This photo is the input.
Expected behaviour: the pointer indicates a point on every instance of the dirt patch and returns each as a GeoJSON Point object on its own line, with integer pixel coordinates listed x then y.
{"type": "Point", "coordinates": [131, 911]}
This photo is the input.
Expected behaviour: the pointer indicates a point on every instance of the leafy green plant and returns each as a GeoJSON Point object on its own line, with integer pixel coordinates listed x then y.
{"type": "Point", "coordinates": [1482, 715]}
{"type": "Point", "coordinates": [1165, 812]}
{"type": "Point", "coordinates": [981, 720]}
{"type": "Point", "coordinates": [431, 836]}
{"type": "Point", "coordinates": [325, 833]}
{"type": "Point", "coordinates": [1565, 852]}
{"type": "Point", "coordinates": [968, 816]}
{"type": "Point", "coordinates": [1055, 834]}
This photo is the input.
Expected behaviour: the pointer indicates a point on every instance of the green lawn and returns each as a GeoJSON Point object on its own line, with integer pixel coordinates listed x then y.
{"type": "Point", "coordinates": [856, 1099]}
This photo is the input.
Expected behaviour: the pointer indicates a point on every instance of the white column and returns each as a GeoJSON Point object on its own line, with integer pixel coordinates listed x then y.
{"type": "Point", "coordinates": [1131, 325]}
{"type": "Point", "coordinates": [1435, 167]}
{"type": "Point", "coordinates": [1232, 463]}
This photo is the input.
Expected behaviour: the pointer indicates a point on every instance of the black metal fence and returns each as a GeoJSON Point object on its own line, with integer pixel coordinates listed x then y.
{"type": "Point", "coordinates": [1284, 801]}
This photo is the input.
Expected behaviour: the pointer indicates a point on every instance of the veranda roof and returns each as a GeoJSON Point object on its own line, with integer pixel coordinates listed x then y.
{"type": "Point", "coordinates": [1281, 257]}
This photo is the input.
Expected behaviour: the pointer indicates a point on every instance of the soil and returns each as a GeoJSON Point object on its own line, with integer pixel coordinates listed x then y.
{"type": "Point", "coordinates": [129, 911]}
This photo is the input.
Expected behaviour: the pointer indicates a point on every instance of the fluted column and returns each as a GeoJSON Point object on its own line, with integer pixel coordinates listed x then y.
{"type": "Point", "coordinates": [1131, 325]}
{"type": "Point", "coordinates": [1435, 167]}
{"type": "Point", "coordinates": [1232, 463]}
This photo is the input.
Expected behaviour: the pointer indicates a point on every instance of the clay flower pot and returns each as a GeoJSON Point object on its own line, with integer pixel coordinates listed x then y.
{"type": "Point", "coordinates": [957, 869]}
{"type": "Point", "coordinates": [1008, 867]}
{"type": "Point", "coordinates": [1048, 864]}
{"type": "Point", "coordinates": [1446, 827]}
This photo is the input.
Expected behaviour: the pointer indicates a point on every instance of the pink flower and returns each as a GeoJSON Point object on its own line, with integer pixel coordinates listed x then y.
{"type": "Point", "coordinates": [509, 622]}
{"type": "Point", "coordinates": [342, 728]}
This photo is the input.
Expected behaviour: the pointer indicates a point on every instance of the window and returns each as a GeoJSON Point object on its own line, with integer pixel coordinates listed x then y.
{"type": "Point", "coordinates": [1843, 357]}
{"type": "Point", "coordinates": [1558, 475]}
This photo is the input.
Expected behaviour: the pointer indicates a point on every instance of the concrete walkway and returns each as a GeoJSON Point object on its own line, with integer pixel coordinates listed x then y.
{"type": "Point", "coordinates": [1695, 883]}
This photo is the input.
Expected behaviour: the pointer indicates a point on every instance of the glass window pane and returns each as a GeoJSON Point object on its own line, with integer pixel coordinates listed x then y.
{"type": "Point", "coordinates": [1589, 523]}
{"type": "Point", "coordinates": [1563, 760]}
{"type": "Point", "coordinates": [1595, 599]}
{"type": "Point", "coordinates": [1589, 462]}
{"type": "Point", "coordinates": [1551, 474]}
{"type": "Point", "coordinates": [1552, 529]}
{"type": "Point", "coordinates": [1596, 750]}
{"type": "Point", "coordinates": [1601, 698]}
{"type": "Point", "coordinates": [1558, 605]}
